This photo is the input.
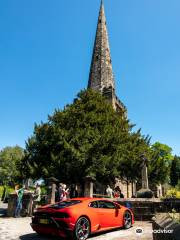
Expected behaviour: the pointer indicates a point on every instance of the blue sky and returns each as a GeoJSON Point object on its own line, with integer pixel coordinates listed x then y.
{"type": "Point", "coordinates": [45, 55]}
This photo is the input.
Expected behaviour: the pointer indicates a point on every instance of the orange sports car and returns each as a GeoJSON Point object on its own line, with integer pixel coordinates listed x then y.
{"type": "Point", "coordinates": [79, 217]}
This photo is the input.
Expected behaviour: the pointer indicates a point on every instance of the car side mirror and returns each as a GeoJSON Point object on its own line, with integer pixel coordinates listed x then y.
{"type": "Point", "coordinates": [117, 206]}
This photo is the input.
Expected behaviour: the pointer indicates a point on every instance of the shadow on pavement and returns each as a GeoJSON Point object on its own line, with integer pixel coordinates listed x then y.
{"type": "Point", "coordinates": [34, 236]}
{"type": "Point", "coordinates": [95, 235]}
{"type": "Point", "coordinates": [105, 232]}
{"type": "Point", "coordinates": [3, 209]}
{"type": "Point", "coordinates": [3, 212]}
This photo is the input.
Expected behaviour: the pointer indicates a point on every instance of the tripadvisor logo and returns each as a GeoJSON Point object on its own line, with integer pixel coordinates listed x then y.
{"type": "Point", "coordinates": [139, 231]}
{"type": "Point", "coordinates": [162, 231]}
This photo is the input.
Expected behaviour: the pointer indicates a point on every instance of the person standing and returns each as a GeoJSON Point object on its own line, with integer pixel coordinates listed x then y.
{"type": "Point", "coordinates": [109, 191]}
{"type": "Point", "coordinates": [65, 192]}
{"type": "Point", "coordinates": [121, 195]}
{"type": "Point", "coordinates": [117, 192]}
{"type": "Point", "coordinates": [36, 196]}
{"type": "Point", "coordinates": [61, 192]}
{"type": "Point", "coordinates": [19, 192]}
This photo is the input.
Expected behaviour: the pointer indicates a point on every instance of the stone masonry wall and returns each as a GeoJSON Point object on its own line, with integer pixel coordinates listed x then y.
{"type": "Point", "coordinates": [165, 228]}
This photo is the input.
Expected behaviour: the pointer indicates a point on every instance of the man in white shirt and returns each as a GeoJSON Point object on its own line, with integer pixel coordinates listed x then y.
{"type": "Point", "coordinates": [109, 191]}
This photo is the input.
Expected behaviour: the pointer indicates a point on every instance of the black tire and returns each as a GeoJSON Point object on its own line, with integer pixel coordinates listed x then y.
{"type": "Point", "coordinates": [41, 234]}
{"type": "Point", "coordinates": [127, 219]}
{"type": "Point", "coordinates": [82, 229]}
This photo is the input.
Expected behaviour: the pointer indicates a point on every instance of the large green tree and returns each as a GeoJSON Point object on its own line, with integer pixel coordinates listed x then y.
{"type": "Point", "coordinates": [130, 167]}
{"type": "Point", "coordinates": [160, 163]}
{"type": "Point", "coordinates": [175, 171]}
{"type": "Point", "coordinates": [87, 138]}
{"type": "Point", "coordinates": [10, 159]}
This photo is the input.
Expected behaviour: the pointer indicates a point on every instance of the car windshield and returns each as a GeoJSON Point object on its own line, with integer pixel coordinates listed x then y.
{"type": "Point", "coordinates": [64, 204]}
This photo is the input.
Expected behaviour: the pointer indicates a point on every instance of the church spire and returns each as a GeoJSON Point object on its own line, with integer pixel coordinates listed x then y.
{"type": "Point", "coordinates": [101, 75]}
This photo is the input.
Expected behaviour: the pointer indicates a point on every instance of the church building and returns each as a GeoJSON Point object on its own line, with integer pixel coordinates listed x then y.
{"type": "Point", "coordinates": [101, 79]}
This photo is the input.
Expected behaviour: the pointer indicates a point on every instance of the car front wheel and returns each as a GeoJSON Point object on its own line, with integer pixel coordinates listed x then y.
{"type": "Point", "coordinates": [127, 220]}
{"type": "Point", "coordinates": [82, 229]}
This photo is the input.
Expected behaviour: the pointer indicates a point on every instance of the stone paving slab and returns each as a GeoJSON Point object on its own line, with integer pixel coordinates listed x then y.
{"type": "Point", "coordinates": [19, 229]}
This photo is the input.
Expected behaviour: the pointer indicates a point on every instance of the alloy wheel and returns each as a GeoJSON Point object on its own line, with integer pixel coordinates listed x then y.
{"type": "Point", "coordinates": [82, 229]}
{"type": "Point", "coordinates": [127, 220]}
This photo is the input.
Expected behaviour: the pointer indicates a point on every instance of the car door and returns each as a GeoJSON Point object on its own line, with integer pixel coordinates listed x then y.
{"type": "Point", "coordinates": [94, 216]}
{"type": "Point", "coordinates": [109, 214]}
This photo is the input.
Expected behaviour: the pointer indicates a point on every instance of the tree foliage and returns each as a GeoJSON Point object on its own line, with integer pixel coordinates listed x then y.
{"type": "Point", "coordinates": [136, 146]}
{"type": "Point", "coordinates": [175, 171]}
{"type": "Point", "coordinates": [160, 163]}
{"type": "Point", "coordinates": [87, 138]}
{"type": "Point", "coordinates": [10, 159]}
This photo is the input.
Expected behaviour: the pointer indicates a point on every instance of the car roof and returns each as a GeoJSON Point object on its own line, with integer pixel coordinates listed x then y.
{"type": "Point", "coordinates": [88, 199]}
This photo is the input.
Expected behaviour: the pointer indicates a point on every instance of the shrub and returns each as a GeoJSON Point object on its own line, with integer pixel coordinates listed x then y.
{"type": "Point", "coordinates": [5, 191]}
{"type": "Point", "coordinates": [1, 191]}
{"type": "Point", "coordinates": [175, 215]}
{"type": "Point", "coordinates": [173, 193]}
{"type": "Point", "coordinates": [144, 193]}
{"type": "Point", "coordinates": [43, 190]}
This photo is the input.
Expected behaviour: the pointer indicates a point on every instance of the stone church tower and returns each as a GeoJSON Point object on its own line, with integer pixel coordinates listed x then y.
{"type": "Point", "coordinates": [101, 77]}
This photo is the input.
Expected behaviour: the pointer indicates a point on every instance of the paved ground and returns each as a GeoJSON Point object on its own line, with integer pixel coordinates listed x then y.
{"type": "Point", "coordinates": [19, 229]}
